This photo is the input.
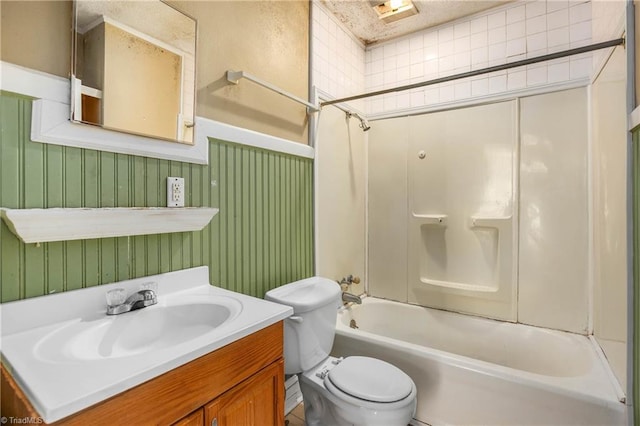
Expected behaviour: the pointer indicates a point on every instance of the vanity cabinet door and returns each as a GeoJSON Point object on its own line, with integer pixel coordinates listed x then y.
{"type": "Point", "coordinates": [256, 401]}
{"type": "Point", "coordinates": [194, 419]}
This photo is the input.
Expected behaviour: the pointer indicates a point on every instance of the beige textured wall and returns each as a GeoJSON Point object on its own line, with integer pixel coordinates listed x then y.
{"type": "Point", "coordinates": [37, 35]}
{"type": "Point", "coordinates": [268, 39]}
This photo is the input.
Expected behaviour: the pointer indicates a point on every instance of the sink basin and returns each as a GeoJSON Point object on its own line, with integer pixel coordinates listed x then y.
{"type": "Point", "coordinates": [67, 354]}
{"type": "Point", "coordinates": [134, 333]}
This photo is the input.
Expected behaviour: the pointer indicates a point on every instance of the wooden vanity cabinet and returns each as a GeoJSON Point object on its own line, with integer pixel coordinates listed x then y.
{"type": "Point", "coordinates": [241, 383]}
{"type": "Point", "coordinates": [253, 402]}
{"type": "Point", "coordinates": [194, 419]}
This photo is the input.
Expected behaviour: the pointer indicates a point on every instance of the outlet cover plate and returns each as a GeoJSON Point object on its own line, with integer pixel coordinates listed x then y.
{"type": "Point", "coordinates": [175, 192]}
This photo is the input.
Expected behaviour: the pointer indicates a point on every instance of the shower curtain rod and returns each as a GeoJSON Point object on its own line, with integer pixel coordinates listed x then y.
{"type": "Point", "coordinates": [529, 61]}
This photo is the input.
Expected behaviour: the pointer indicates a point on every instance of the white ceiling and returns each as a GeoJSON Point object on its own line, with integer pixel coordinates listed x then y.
{"type": "Point", "coordinates": [361, 19]}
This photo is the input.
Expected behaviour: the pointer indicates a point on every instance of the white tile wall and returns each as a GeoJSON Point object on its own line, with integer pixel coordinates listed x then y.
{"type": "Point", "coordinates": [510, 33]}
{"type": "Point", "coordinates": [343, 67]}
{"type": "Point", "coordinates": [608, 23]}
{"type": "Point", "coordinates": [338, 59]}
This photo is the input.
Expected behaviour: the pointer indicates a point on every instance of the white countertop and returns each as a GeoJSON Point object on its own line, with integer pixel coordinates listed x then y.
{"type": "Point", "coordinates": [58, 383]}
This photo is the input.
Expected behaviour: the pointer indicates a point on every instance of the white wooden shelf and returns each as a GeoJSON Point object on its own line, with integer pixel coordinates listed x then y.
{"type": "Point", "coordinates": [63, 224]}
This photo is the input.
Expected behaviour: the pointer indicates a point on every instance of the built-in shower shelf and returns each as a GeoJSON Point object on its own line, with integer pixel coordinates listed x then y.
{"type": "Point", "coordinates": [430, 219]}
{"type": "Point", "coordinates": [63, 224]}
{"type": "Point", "coordinates": [459, 286]}
{"type": "Point", "coordinates": [489, 222]}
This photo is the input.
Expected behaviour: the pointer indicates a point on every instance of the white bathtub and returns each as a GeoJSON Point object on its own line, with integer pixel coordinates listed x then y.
{"type": "Point", "coordinates": [475, 371]}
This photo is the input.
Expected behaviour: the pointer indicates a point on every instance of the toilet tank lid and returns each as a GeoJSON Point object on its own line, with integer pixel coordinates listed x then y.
{"type": "Point", "coordinates": [307, 294]}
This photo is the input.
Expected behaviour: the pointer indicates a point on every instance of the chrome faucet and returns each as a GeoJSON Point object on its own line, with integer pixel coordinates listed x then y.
{"type": "Point", "coordinates": [344, 286]}
{"type": "Point", "coordinates": [138, 300]}
{"type": "Point", "coordinates": [350, 298]}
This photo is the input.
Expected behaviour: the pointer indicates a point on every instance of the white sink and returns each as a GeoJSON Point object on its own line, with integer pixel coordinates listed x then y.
{"type": "Point", "coordinates": [67, 354]}
{"type": "Point", "coordinates": [153, 328]}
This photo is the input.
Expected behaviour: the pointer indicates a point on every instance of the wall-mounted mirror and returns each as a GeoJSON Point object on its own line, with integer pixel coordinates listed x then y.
{"type": "Point", "coordinates": [134, 68]}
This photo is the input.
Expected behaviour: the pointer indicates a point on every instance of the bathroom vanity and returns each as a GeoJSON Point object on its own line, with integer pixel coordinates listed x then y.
{"type": "Point", "coordinates": [230, 373]}
{"type": "Point", "coordinates": [241, 383]}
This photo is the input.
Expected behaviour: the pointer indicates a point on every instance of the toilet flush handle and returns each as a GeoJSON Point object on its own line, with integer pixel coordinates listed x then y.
{"type": "Point", "coordinates": [295, 318]}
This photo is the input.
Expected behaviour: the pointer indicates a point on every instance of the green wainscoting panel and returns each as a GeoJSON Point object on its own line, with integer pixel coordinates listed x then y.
{"type": "Point", "coordinates": [636, 276]}
{"type": "Point", "coordinates": [261, 238]}
{"type": "Point", "coordinates": [263, 234]}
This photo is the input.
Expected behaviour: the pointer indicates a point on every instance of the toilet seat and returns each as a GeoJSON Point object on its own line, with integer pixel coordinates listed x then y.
{"type": "Point", "coordinates": [369, 379]}
{"type": "Point", "coordinates": [328, 405]}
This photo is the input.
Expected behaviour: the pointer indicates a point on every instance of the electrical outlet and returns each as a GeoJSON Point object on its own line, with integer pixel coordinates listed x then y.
{"type": "Point", "coordinates": [175, 192]}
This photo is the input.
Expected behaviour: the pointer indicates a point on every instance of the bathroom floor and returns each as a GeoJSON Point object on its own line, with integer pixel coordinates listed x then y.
{"type": "Point", "coordinates": [295, 417]}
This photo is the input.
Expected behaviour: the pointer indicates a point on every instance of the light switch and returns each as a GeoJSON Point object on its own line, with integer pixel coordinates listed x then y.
{"type": "Point", "coordinates": [175, 192]}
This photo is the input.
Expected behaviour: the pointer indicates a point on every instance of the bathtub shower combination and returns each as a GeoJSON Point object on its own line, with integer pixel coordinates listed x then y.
{"type": "Point", "coordinates": [478, 234]}
{"type": "Point", "coordinates": [476, 371]}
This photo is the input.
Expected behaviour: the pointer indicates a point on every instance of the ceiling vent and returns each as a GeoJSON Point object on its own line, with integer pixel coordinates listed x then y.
{"type": "Point", "coordinates": [394, 10]}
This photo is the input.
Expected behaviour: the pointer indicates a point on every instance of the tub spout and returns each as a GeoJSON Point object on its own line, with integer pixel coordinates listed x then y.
{"type": "Point", "coordinates": [351, 298]}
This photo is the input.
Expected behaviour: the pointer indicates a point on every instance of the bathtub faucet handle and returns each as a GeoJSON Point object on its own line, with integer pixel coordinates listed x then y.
{"type": "Point", "coordinates": [348, 280]}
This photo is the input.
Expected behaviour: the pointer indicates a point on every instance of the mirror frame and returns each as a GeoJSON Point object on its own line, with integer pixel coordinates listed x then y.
{"type": "Point", "coordinates": [51, 112]}
{"type": "Point", "coordinates": [172, 42]}
{"type": "Point", "coordinates": [171, 32]}
{"type": "Point", "coordinates": [50, 121]}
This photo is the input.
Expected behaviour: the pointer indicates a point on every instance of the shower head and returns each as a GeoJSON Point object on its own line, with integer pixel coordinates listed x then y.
{"type": "Point", "coordinates": [364, 124]}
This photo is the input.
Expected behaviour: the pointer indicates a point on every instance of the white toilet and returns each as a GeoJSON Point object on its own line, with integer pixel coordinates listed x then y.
{"type": "Point", "coordinates": [351, 391]}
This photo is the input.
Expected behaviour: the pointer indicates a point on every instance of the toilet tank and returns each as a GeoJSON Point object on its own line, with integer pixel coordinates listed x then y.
{"type": "Point", "coordinates": [309, 333]}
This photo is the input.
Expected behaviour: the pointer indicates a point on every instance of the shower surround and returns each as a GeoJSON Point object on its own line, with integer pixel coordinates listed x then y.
{"type": "Point", "coordinates": [504, 223]}
{"type": "Point", "coordinates": [493, 220]}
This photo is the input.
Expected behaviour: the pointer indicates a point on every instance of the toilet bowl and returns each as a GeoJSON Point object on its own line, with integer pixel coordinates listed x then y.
{"type": "Point", "coordinates": [337, 391]}
{"type": "Point", "coordinates": [351, 397]}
